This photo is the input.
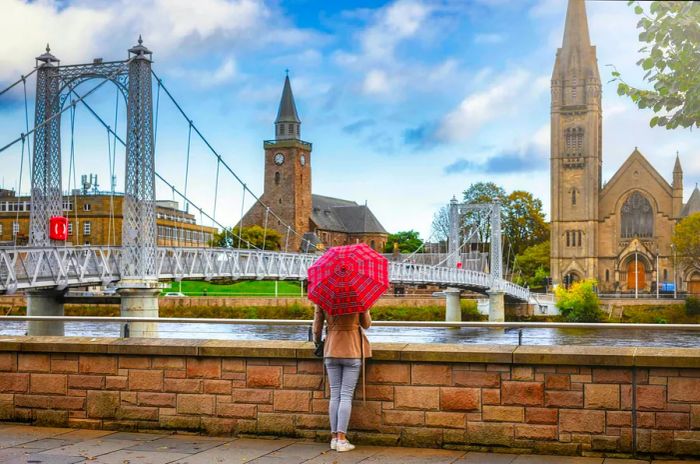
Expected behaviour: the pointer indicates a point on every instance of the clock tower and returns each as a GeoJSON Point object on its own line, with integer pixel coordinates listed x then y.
{"type": "Point", "coordinates": [287, 175]}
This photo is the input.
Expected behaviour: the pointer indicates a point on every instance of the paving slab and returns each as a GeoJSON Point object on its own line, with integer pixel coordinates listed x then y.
{"type": "Point", "coordinates": [295, 453]}
{"type": "Point", "coordinates": [486, 458]}
{"type": "Point", "coordinates": [46, 443]}
{"type": "Point", "coordinates": [179, 444]}
{"type": "Point", "coordinates": [237, 451]}
{"type": "Point", "coordinates": [86, 434]}
{"type": "Point", "coordinates": [140, 457]}
{"type": "Point", "coordinates": [624, 461]}
{"type": "Point", "coordinates": [357, 455]}
{"type": "Point", "coordinates": [541, 459]}
{"type": "Point", "coordinates": [44, 459]}
{"type": "Point", "coordinates": [12, 436]}
{"type": "Point", "coordinates": [414, 456]}
{"type": "Point", "coordinates": [92, 448]}
{"type": "Point", "coordinates": [136, 436]}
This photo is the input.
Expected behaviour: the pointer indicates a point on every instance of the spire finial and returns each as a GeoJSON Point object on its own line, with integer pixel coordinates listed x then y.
{"type": "Point", "coordinates": [48, 49]}
{"type": "Point", "coordinates": [286, 71]}
{"type": "Point", "coordinates": [140, 40]}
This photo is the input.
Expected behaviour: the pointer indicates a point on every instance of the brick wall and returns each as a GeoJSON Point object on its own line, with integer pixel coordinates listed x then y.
{"type": "Point", "coordinates": [563, 400]}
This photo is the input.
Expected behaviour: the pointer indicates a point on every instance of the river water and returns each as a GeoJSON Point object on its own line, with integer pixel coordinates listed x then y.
{"type": "Point", "coordinates": [481, 336]}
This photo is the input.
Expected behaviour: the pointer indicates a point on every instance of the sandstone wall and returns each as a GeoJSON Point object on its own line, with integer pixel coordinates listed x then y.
{"type": "Point", "coordinates": [567, 400]}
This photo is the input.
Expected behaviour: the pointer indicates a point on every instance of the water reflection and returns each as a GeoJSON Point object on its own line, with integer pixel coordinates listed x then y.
{"type": "Point", "coordinates": [485, 336]}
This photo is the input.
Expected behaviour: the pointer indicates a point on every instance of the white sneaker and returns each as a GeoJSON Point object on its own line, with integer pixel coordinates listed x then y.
{"type": "Point", "coordinates": [345, 445]}
{"type": "Point", "coordinates": [334, 442]}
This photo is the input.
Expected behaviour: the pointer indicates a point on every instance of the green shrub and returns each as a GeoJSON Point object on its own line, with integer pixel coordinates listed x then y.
{"type": "Point", "coordinates": [580, 302]}
{"type": "Point", "coordinates": [692, 306]}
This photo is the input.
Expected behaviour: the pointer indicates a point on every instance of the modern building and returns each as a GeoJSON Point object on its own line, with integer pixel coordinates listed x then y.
{"type": "Point", "coordinates": [618, 232]}
{"type": "Point", "coordinates": [318, 219]}
{"type": "Point", "coordinates": [95, 218]}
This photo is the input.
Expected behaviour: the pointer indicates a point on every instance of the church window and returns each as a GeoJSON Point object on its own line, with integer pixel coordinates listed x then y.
{"type": "Point", "coordinates": [568, 240]}
{"type": "Point", "coordinates": [297, 129]}
{"type": "Point", "coordinates": [573, 197]}
{"type": "Point", "coordinates": [607, 275]}
{"type": "Point", "coordinates": [637, 217]}
{"type": "Point", "coordinates": [372, 244]}
{"type": "Point", "coordinates": [579, 237]}
{"type": "Point", "coordinates": [277, 178]}
{"type": "Point", "coordinates": [290, 129]}
{"type": "Point", "coordinates": [665, 274]}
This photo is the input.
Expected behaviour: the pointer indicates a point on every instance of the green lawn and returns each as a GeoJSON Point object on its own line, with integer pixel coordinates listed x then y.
{"type": "Point", "coordinates": [243, 288]}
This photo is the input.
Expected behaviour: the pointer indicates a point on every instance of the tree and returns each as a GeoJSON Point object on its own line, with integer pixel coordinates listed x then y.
{"type": "Point", "coordinates": [671, 32]}
{"type": "Point", "coordinates": [408, 241]}
{"type": "Point", "coordinates": [441, 225]}
{"type": "Point", "coordinates": [686, 240]}
{"type": "Point", "coordinates": [481, 192]}
{"type": "Point", "coordinates": [532, 265]}
{"type": "Point", "coordinates": [580, 302]}
{"type": "Point", "coordinates": [524, 224]}
{"type": "Point", "coordinates": [251, 237]}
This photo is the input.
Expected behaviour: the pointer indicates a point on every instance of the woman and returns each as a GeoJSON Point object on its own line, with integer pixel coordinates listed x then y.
{"type": "Point", "coordinates": [344, 351]}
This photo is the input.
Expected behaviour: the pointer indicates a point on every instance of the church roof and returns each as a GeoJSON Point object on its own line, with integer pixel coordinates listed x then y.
{"type": "Point", "coordinates": [287, 111]}
{"type": "Point", "coordinates": [346, 216]}
{"type": "Point", "coordinates": [693, 205]}
{"type": "Point", "coordinates": [625, 170]}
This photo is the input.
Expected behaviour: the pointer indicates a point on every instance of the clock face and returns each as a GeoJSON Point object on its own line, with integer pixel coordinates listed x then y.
{"type": "Point", "coordinates": [303, 160]}
{"type": "Point", "coordinates": [279, 159]}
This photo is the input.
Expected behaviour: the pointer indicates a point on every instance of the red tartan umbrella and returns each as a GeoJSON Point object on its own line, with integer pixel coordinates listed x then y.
{"type": "Point", "coordinates": [348, 279]}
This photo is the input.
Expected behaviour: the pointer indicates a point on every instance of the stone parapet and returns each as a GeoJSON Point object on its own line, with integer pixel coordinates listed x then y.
{"type": "Point", "coordinates": [566, 400]}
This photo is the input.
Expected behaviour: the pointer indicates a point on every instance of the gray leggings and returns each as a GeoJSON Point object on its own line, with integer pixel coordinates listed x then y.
{"type": "Point", "coordinates": [342, 376]}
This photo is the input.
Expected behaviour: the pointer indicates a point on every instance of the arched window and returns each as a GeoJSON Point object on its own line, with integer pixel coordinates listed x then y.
{"type": "Point", "coordinates": [277, 178]}
{"type": "Point", "coordinates": [573, 196]}
{"type": "Point", "coordinates": [637, 217]}
{"type": "Point", "coordinates": [607, 275]}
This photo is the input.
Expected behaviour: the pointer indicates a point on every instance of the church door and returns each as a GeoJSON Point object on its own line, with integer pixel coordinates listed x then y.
{"type": "Point", "coordinates": [636, 273]}
{"type": "Point", "coordinates": [694, 285]}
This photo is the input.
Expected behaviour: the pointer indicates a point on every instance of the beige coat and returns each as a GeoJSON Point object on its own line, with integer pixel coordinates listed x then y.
{"type": "Point", "coordinates": [344, 339]}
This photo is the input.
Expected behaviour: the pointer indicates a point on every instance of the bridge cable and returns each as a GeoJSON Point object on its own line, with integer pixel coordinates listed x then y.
{"type": "Point", "coordinates": [267, 213]}
{"type": "Point", "coordinates": [162, 179]}
{"type": "Point", "coordinates": [240, 223]}
{"type": "Point", "coordinates": [112, 168]}
{"type": "Point", "coordinates": [216, 187]}
{"type": "Point", "coordinates": [72, 170]}
{"type": "Point", "coordinates": [187, 163]}
{"type": "Point", "coordinates": [21, 79]}
{"type": "Point", "coordinates": [233, 173]}
{"type": "Point", "coordinates": [19, 194]}
{"type": "Point", "coordinates": [155, 129]}
{"type": "Point", "coordinates": [26, 123]}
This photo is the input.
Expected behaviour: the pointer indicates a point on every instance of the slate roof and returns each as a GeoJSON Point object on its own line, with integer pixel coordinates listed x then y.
{"type": "Point", "coordinates": [693, 205]}
{"type": "Point", "coordinates": [287, 111]}
{"type": "Point", "coordinates": [337, 215]}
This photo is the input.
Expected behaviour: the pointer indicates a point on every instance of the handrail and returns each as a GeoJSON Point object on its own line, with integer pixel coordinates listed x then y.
{"type": "Point", "coordinates": [307, 322]}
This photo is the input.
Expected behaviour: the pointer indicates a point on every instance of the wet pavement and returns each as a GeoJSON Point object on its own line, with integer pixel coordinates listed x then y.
{"type": "Point", "coordinates": [23, 444]}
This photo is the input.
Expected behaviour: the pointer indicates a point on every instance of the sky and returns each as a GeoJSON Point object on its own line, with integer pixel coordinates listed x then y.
{"type": "Point", "coordinates": [406, 102]}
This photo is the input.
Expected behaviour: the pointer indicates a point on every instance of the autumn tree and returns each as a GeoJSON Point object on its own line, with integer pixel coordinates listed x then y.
{"type": "Point", "coordinates": [670, 32]}
{"type": "Point", "coordinates": [408, 241]}
{"type": "Point", "coordinates": [524, 224]}
{"type": "Point", "coordinates": [532, 266]}
{"type": "Point", "coordinates": [250, 237]}
{"type": "Point", "coordinates": [580, 302]}
{"type": "Point", "coordinates": [686, 240]}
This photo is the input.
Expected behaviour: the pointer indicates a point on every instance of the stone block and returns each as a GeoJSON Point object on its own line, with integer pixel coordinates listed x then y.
{"type": "Point", "coordinates": [423, 398]}
{"type": "Point", "coordinates": [303, 381]}
{"type": "Point", "coordinates": [264, 376]}
{"type": "Point", "coordinates": [33, 362]}
{"type": "Point", "coordinates": [102, 404]}
{"type": "Point", "coordinates": [216, 426]}
{"type": "Point", "coordinates": [684, 389]}
{"type": "Point", "coordinates": [48, 383]}
{"type": "Point", "coordinates": [312, 421]}
{"type": "Point", "coordinates": [319, 406]}
{"type": "Point", "coordinates": [163, 400]}
{"type": "Point", "coordinates": [477, 379]}
{"type": "Point", "coordinates": [145, 380]}
{"type": "Point", "coordinates": [695, 416]}
{"type": "Point", "coordinates": [377, 392]}
{"type": "Point", "coordinates": [601, 396]}
{"type": "Point", "coordinates": [116, 382]}
{"type": "Point", "coordinates": [651, 397]}
{"type": "Point", "coordinates": [522, 393]}
{"type": "Point", "coordinates": [204, 368]}
{"type": "Point", "coordinates": [292, 401]}
{"type": "Point", "coordinates": [502, 413]}
{"type": "Point", "coordinates": [431, 374]}
{"type": "Point", "coordinates": [310, 367]}
{"type": "Point", "coordinates": [195, 404]}
{"type": "Point", "coordinates": [50, 418]}
{"type": "Point", "coordinates": [14, 383]}
{"type": "Point", "coordinates": [366, 416]}
{"type": "Point", "coordinates": [541, 416]}
{"type": "Point", "coordinates": [482, 433]}
{"type": "Point", "coordinates": [522, 373]}
{"type": "Point", "coordinates": [185, 423]}
{"type": "Point", "coordinates": [387, 372]}
{"type": "Point", "coordinates": [557, 381]}
{"type": "Point", "coordinates": [605, 443]}
{"type": "Point", "coordinates": [238, 410]}
{"type": "Point", "coordinates": [64, 366]}
{"type": "Point", "coordinates": [563, 399]}
{"type": "Point", "coordinates": [404, 418]}
{"type": "Point", "coordinates": [672, 420]}
{"type": "Point", "coordinates": [134, 362]}
{"type": "Point", "coordinates": [167, 362]}
{"type": "Point", "coordinates": [421, 438]}
{"type": "Point", "coordinates": [8, 362]}
{"type": "Point", "coordinates": [536, 432]}
{"type": "Point", "coordinates": [491, 395]}
{"type": "Point", "coordinates": [619, 419]}
{"type": "Point", "coordinates": [449, 420]}
{"type": "Point", "coordinates": [182, 385]}
{"type": "Point", "coordinates": [97, 364]}
{"type": "Point", "coordinates": [245, 395]}
{"type": "Point", "coordinates": [276, 424]}
{"type": "Point", "coordinates": [572, 420]}
{"type": "Point", "coordinates": [611, 375]}
{"type": "Point", "coordinates": [88, 382]}
{"type": "Point", "coordinates": [459, 399]}
{"type": "Point", "coordinates": [217, 387]}
{"type": "Point", "coordinates": [137, 413]}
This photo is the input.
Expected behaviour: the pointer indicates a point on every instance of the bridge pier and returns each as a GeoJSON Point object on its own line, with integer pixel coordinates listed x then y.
{"type": "Point", "coordinates": [45, 303]}
{"type": "Point", "coordinates": [139, 302]}
{"type": "Point", "coordinates": [497, 306]}
{"type": "Point", "coordinates": [453, 309]}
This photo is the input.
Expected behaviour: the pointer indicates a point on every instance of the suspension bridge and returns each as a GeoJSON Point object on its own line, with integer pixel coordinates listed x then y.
{"type": "Point", "coordinates": [45, 268]}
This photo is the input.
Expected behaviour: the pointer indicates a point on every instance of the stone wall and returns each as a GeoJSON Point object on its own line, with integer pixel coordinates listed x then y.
{"type": "Point", "coordinates": [566, 400]}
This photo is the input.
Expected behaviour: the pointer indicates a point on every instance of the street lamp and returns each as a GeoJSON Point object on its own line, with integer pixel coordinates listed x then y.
{"type": "Point", "coordinates": [675, 279]}
{"type": "Point", "coordinates": [636, 273]}
{"type": "Point", "coordinates": [657, 271]}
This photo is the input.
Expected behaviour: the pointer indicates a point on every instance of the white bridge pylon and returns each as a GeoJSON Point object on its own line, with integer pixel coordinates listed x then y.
{"type": "Point", "coordinates": [58, 268]}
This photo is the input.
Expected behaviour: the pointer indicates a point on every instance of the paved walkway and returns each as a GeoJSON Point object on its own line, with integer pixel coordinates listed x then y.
{"type": "Point", "coordinates": [42, 445]}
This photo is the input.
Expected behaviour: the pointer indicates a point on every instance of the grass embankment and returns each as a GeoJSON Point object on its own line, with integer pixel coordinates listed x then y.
{"type": "Point", "coordinates": [294, 311]}
{"type": "Point", "coordinates": [661, 314]}
{"type": "Point", "coordinates": [227, 288]}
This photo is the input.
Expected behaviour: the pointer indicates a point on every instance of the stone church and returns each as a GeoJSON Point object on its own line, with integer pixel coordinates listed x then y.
{"type": "Point", "coordinates": [619, 232]}
{"type": "Point", "coordinates": [320, 221]}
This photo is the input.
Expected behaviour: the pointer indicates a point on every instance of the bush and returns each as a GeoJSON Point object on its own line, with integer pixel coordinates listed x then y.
{"type": "Point", "coordinates": [692, 306]}
{"type": "Point", "coordinates": [580, 303]}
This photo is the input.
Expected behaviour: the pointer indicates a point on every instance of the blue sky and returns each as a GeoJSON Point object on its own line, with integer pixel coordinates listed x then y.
{"type": "Point", "coordinates": [406, 102]}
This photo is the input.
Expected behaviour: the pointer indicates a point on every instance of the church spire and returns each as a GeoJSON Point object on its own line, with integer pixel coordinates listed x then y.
{"type": "Point", "coordinates": [576, 26]}
{"type": "Point", "coordinates": [287, 124]}
{"type": "Point", "coordinates": [677, 169]}
{"type": "Point", "coordinates": [577, 56]}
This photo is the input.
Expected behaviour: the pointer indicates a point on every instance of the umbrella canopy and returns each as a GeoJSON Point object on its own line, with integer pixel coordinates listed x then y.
{"type": "Point", "coordinates": [348, 279]}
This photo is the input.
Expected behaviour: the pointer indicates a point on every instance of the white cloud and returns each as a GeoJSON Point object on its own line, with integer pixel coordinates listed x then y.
{"type": "Point", "coordinates": [492, 38]}
{"type": "Point", "coordinates": [501, 98]}
{"type": "Point", "coordinates": [376, 81]}
{"type": "Point", "coordinates": [226, 72]}
{"type": "Point", "coordinates": [399, 21]}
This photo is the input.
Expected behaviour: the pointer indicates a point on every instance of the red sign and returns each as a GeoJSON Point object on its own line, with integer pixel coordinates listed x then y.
{"type": "Point", "coordinates": [459, 264]}
{"type": "Point", "coordinates": [58, 228]}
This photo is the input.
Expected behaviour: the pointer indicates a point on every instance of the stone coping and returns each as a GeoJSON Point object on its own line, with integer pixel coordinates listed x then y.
{"type": "Point", "coordinates": [411, 352]}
